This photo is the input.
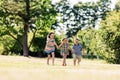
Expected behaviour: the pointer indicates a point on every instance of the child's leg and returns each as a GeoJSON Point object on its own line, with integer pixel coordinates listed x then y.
{"type": "Point", "coordinates": [48, 59]}
{"type": "Point", "coordinates": [53, 57]}
{"type": "Point", "coordinates": [64, 59]}
{"type": "Point", "coordinates": [74, 59]}
{"type": "Point", "coordinates": [79, 59]}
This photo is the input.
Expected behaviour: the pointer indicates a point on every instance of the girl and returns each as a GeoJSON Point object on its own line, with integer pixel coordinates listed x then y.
{"type": "Point", "coordinates": [64, 50]}
{"type": "Point", "coordinates": [50, 47]}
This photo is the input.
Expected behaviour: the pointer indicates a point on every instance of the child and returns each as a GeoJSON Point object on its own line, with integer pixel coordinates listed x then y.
{"type": "Point", "coordinates": [64, 50]}
{"type": "Point", "coordinates": [50, 47]}
{"type": "Point", "coordinates": [77, 51]}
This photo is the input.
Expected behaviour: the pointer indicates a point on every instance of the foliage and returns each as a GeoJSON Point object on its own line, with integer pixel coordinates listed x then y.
{"type": "Point", "coordinates": [18, 19]}
{"type": "Point", "coordinates": [117, 6]}
{"type": "Point", "coordinates": [81, 15]}
{"type": "Point", "coordinates": [91, 42]}
{"type": "Point", "coordinates": [110, 32]}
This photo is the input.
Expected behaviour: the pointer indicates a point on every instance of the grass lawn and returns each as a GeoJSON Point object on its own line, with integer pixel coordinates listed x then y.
{"type": "Point", "coordinates": [22, 68]}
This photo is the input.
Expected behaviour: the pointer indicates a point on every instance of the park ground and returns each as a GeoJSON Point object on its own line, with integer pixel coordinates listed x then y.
{"type": "Point", "coordinates": [22, 68]}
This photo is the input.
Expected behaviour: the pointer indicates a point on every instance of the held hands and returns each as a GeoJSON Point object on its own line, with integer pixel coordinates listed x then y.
{"type": "Point", "coordinates": [57, 46]}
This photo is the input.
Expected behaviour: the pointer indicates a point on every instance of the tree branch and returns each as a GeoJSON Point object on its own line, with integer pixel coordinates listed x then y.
{"type": "Point", "coordinates": [15, 39]}
{"type": "Point", "coordinates": [32, 39]}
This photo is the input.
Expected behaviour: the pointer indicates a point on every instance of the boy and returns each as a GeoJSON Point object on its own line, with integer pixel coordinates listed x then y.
{"type": "Point", "coordinates": [77, 51]}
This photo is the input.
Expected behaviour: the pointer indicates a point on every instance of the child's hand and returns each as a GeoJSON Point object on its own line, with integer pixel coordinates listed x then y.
{"type": "Point", "coordinates": [57, 47]}
{"type": "Point", "coordinates": [72, 50]}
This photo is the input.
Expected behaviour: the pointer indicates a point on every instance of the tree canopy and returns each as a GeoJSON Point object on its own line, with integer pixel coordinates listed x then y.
{"type": "Point", "coordinates": [19, 17]}
{"type": "Point", "coordinates": [110, 32]}
{"type": "Point", "coordinates": [81, 15]}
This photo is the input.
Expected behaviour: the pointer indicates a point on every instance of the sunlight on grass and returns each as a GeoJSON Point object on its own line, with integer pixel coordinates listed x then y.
{"type": "Point", "coordinates": [22, 68]}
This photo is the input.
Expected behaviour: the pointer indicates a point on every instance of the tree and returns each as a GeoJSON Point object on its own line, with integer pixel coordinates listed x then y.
{"type": "Point", "coordinates": [81, 15]}
{"type": "Point", "coordinates": [26, 13]}
{"type": "Point", "coordinates": [117, 6]}
{"type": "Point", "coordinates": [110, 32]}
{"type": "Point", "coordinates": [90, 40]}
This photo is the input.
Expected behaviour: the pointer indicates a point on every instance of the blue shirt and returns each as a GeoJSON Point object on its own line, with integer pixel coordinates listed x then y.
{"type": "Point", "coordinates": [77, 49]}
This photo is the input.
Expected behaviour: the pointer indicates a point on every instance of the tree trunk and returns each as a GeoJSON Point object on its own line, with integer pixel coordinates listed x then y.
{"type": "Point", "coordinates": [25, 41]}
{"type": "Point", "coordinates": [26, 23]}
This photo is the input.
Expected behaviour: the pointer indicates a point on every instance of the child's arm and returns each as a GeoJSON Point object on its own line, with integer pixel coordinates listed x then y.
{"type": "Point", "coordinates": [73, 49]}
{"type": "Point", "coordinates": [56, 45]}
{"type": "Point", "coordinates": [83, 51]}
{"type": "Point", "coordinates": [47, 41]}
{"type": "Point", "coordinates": [60, 45]}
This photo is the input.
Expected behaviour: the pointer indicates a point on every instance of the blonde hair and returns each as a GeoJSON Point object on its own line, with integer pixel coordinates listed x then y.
{"type": "Point", "coordinates": [76, 39]}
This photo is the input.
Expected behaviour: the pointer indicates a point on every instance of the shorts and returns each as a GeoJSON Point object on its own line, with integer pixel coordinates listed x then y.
{"type": "Point", "coordinates": [64, 52]}
{"type": "Point", "coordinates": [75, 56]}
{"type": "Point", "coordinates": [48, 52]}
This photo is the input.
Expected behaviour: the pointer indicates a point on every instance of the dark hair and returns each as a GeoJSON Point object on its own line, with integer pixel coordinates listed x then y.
{"type": "Point", "coordinates": [50, 34]}
{"type": "Point", "coordinates": [64, 39]}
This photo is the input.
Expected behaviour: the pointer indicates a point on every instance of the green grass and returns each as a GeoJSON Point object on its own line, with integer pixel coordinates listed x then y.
{"type": "Point", "coordinates": [22, 68]}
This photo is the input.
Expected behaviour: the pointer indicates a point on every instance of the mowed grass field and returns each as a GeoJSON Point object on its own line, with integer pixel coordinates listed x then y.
{"type": "Point", "coordinates": [22, 68]}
